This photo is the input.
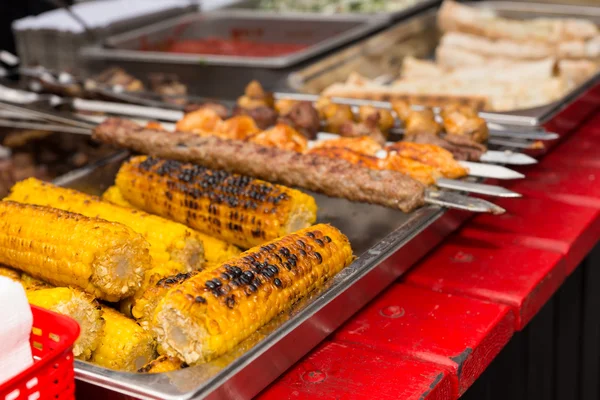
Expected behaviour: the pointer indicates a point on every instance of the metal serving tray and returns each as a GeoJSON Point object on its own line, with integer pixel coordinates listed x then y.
{"type": "Point", "coordinates": [214, 74]}
{"type": "Point", "coordinates": [397, 15]}
{"type": "Point", "coordinates": [386, 241]}
{"type": "Point", "coordinates": [383, 53]}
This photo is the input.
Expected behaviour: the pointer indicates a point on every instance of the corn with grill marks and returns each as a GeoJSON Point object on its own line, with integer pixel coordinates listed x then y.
{"type": "Point", "coordinates": [234, 208]}
{"type": "Point", "coordinates": [105, 259]}
{"type": "Point", "coordinates": [80, 306]}
{"type": "Point", "coordinates": [125, 345]}
{"type": "Point", "coordinates": [210, 313]}
{"type": "Point", "coordinates": [216, 251]}
{"type": "Point", "coordinates": [163, 364]}
{"type": "Point", "coordinates": [169, 241]}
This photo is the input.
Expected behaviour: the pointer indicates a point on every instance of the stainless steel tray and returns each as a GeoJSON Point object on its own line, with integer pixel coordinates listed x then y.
{"type": "Point", "coordinates": [386, 241]}
{"type": "Point", "coordinates": [397, 15]}
{"type": "Point", "coordinates": [383, 53]}
{"type": "Point", "coordinates": [226, 76]}
{"type": "Point", "coordinates": [319, 32]}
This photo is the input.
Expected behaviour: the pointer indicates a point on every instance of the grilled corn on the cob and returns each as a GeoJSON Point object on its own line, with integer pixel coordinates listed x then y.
{"type": "Point", "coordinates": [80, 306]}
{"type": "Point", "coordinates": [213, 311]}
{"type": "Point", "coordinates": [106, 259]}
{"type": "Point", "coordinates": [169, 241]}
{"type": "Point", "coordinates": [145, 305]}
{"type": "Point", "coordinates": [27, 281]}
{"type": "Point", "coordinates": [235, 208]}
{"type": "Point", "coordinates": [215, 250]}
{"type": "Point", "coordinates": [113, 195]}
{"type": "Point", "coordinates": [163, 364]}
{"type": "Point", "coordinates": [13, 274]}
{"type": "Point", "coordinates": [124, 344]}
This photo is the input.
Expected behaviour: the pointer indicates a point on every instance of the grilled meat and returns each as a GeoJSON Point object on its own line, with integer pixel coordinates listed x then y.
{"type": "Point", "coordinates": [303, 117]}
{"type": "Point", "coordinates": [419, 122]}
{"type": "Point", "coordinates": [461, 147]}
{"type": "Point", "coordinates": [363, 144]}
{"type": "Point", "coordinates": [115, 77]}
{"type": "Point", "coordinates": [402, 109]}
{"type": "Point", "coordinates": [207, 121]}
{"type": "Point", "coordinates": [169, 87]}
{"type": "Point", "coordinates": [383, 119]}
{"type": "Point", "coordinates": [258, 104]}
{"type": "Point", "coordinates": [431, 155]}
{"type": "Point", "coordinates": [367, 128]}
{"type": "Point", "coordinates": [349, 155]}
{"type": "Point", "coordinates": [263, 116]}
{"type": "Point", "coordinates": [220, 109]}
{"type": "Point", "coordinates": [282, 136]}
{"type": "Point", "coordinates": [334, 115]}
{"type": "Point", "coordinates": [336, 178]}
{"type": "Point", "coordinates": [464, 121]}
{"type": "Point", "coordinates": [426, 174]}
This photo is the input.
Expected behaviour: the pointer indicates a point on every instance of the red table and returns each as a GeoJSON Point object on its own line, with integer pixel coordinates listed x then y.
{"type": "Point", "coordinates": [433, 333]}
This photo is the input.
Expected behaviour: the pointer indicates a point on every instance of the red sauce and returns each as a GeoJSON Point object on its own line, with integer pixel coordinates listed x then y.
{"type": "Point", "coordinates": [228, 47]}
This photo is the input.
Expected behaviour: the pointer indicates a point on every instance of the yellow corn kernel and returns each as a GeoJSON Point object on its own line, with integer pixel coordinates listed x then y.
{"type": "Point", "coordinates": [169, 241]}
{"type": "Point", "coordinates": [163, 364]}
{"type": "Point", "coordinates": [234, 208]}
{"type": "Point", "coordinates": [80, 306]}
{"type": "Point", "coordinates": [210, 313]}
{"type": "Point", "coordinates": [105, 259]}
{"type": "Point", "coordinates": [113, 195]}
{"type": "Point", "coordinates": [124, 344]}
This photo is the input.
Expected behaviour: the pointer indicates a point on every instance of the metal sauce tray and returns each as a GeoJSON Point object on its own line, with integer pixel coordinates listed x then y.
{"type": "Point", "coordinates": [396, 15]}
{"type": "Point", "coordinates": [383, 54]}
{"type": "Point", "coordinates": [319, 32]}
{"type": "Point", "coordinates": [386, 241]}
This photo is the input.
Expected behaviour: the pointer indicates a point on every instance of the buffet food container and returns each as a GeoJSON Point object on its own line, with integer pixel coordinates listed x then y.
{"type": "Point", "coordinates": [386, 241]}
{"type": "Point", "coordinates": [225, 76]}
{"type": "Point", "coordinates": [382, 55]}
{"type": "Point", "coordinates": [396, 15]}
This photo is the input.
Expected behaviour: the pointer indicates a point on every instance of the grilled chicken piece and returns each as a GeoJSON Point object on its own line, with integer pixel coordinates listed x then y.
{"type": "Point", "coordinates": [353, 129]}
{"type": "Point", "coordinates": [461, 147]}
{"type": "Point", "coordinates": [206, 121]}
{"type": "Point", "coordinates": [419, 122]}
{"type": "Point", "coordinates": [423, 173]}
{"type": "Point", "coordinates": [334, 115]}
{"type": "Point", "coordinates": [168, 86]}
{"type": "Point", "coordinates": [363, 145]}
{"type": "Point", "coordinates": [283, 106]}
{"type": "Point", "coordinates": [282, 136]}
{"type": "Point", "coordinates": [376, 116]}
{"type": "Point", "coordinates": [199, 121]}
{"type": "Point", "coordinates": [303, 117]}
{"type": "Point", "coordinates": [464, 121]}
{"type": "Point", "coordinates": [220, 109]}
{"type": "Point", "coordinates": [258, 104]}
{"type": "Point", "coordinates": [402, 109]}
{"type": "Point", "coordinates": [116, 77]}
{"type": "Point", "coordinates": [431, 155]}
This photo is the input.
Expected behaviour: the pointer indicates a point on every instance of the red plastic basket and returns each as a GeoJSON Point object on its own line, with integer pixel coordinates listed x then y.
{"type": "Point", "coordinates": [51, 376]}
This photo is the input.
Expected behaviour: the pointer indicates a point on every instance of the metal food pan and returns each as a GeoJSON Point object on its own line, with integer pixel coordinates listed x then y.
{"type": "Point", "coordinates": [386, 241]}
{"type": "Point", "coordinates": [383, 54]}
{"type": "Point", "coordinates": [319, 32]}
{"type": "Point", "coordinates": [226, 76]}
{"type": "Point", "coordinates": [396, 15]}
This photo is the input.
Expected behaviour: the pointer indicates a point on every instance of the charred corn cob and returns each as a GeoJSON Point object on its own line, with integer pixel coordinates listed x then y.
{"type": "Point", "coordinates": [216, 251]}
{"type": "Point", "coordinates": [106, 259]}
{"type": "Point", "coordinates": [163, 364]}
{"type": "Point", "coordinates": [113, 195]}
{"type": "Point", "coordinates": [80, 306]}
{"type": "Point", "coordinates": [124, 344]}
{"type": "Point", "coordinates": [169, 241]}
{"type": "Point", "coordinates": [146, 304]}
{"type": "Point", "coordinates": [213, 311]}
{"type": "Point", "coordinates": [235, 208]}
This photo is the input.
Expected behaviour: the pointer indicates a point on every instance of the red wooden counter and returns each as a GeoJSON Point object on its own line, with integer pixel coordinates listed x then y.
{"type": "Point", "coordinates": [434, 332]}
